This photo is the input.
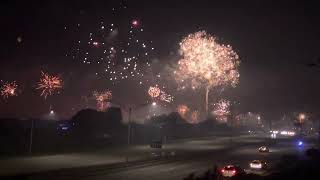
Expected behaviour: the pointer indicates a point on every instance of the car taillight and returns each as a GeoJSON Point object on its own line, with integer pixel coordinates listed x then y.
{"type": "Point", "coordinates": [222, 170]}
{"type": "Point", "coordinates": [234, 171]}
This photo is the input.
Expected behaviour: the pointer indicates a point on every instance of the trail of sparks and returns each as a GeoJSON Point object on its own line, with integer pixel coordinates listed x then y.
{"type": "Point", "coordinates": [9, 89]}
{"type": "Point", "coordinates": [166, 97]}
{"type": "Point", "coordinates": [49, 84]}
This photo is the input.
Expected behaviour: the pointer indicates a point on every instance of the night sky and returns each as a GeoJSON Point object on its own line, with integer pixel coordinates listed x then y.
{"type": "Point", "coordinates": [276, 42]}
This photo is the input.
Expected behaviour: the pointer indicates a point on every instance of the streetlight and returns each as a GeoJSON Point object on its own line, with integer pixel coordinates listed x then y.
{"type": "Point", "coordinates": [130, 114]}
{"type": "Point", "coordinates": [301, 117]}
{"type": "Point", "coordinates": [129, 123]}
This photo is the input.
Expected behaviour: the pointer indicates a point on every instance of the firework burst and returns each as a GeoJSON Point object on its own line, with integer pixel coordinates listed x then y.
{"type": "Point", "coordinates": [49, 84]}
{"type": "Point", "coordinates": [102, 99]}
{"type": "Point", "coordinates": [9, 89]}
{"type": "Point", "coordinates": [102, 96]}
{"type": "Point", "coordinates": [206, 63]}
{"type": "Point", "coordinates": [221, 110]}
{"type": "Point", "coordinates": [154, 91]}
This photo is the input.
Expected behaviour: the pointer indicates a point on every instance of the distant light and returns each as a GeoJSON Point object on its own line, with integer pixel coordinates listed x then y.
{"type": "Point", "coordinates": [300, 143]}
{"type": "Point", "coordinates": [154, 103]}
{"type": "Point", "coordinates": [19, 39]}
{"type": "Point", "coordinates": [51, 112]}
{"type": "Point", "coordinates": [135, 22]}
{"type": "Point", "coordinates": [291, 133]}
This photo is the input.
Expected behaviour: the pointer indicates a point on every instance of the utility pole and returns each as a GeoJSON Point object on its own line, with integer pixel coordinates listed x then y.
{"type": "Point", "coordinates": [31, 137]}
{"type": "Point", "coordinates": [270, 124]}
{"type": "Point", "coordinates": [129, 132]}
{"type": "Point", "coordinates": [319, 131]}
{"type": "Point", "coordinates": [129, 126]}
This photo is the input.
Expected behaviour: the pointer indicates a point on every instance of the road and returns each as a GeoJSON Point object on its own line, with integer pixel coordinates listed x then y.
{"type": "Point", "coordinates": [196, 156]}
{"type": "Point", "coordinates": [107, 156]}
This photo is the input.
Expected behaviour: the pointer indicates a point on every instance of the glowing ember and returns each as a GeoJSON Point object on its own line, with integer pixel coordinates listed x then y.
{"type": "Point", "coordinates": [9, 89]}
{"type": "Point", "coordinates": [207, 63]}
{"type": "Point", "coordinates": [48, 84]}
{"type": "Point", "coordinates": [154, 92]}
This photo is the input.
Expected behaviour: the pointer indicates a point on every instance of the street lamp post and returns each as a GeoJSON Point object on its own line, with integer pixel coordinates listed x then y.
{"type": "Point", "coordinates": [129, 125]}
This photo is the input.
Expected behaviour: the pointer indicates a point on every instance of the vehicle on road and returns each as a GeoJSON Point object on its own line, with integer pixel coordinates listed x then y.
{"type": "Point", "coordinates": [163, 154]}
{"type": "Point", "coordinates": [156, 144]}
{"type": "Point", "coordinates": [231, 170]}
{"type": "Point", "coordinates": [300, 143]}
{"type": "Point", "coordinates": [263, 149]}
{"type": "Point", "coordinates": [258, 165]}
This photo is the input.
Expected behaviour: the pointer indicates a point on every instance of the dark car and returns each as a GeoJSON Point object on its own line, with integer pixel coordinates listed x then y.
{"type": "Point", "coordinates": [231, 170]}
{"type": "Point", "coordinates": [156, 144]}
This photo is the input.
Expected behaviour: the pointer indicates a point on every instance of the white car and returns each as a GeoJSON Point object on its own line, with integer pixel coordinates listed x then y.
{"type": "Point", "coordinates": [264, 149]}
{"type": "Point", "coordinates": [258, 165]}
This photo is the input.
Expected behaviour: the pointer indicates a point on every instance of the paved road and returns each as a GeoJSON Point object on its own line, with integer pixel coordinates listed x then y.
{"type": "Point", "coordinates": [26, 165]}
{"type": "Point", "coordinates": [199, 156]}
{"type": "Point", "coordinates": [177, 170]}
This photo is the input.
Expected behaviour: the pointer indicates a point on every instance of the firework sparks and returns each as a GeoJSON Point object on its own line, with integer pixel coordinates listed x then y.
{"type": "Point", "coordinates": [49, 84]}
{"type": "Point", "coordinates": [122, 58]}
{"type": "Point", "coordinates": [207, 63]}
{"type": "Point", "coordinates": [221, 110]}
{"type": "Point", "coordinates": [102, 98]}
{"type": "Point", "coordinates": [166, 97]}
{"type": "Point", "coordinates": [9, 89]}
{"type": "Point", "coordinates": [183, 110]}
{"type": "Point", "coordinates": [154, 91]}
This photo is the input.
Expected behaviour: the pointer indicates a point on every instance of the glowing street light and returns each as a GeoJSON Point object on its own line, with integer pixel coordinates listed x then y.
{"type": "Point", "coordinates": [301, 117]}
{"type": "Point", "coordinates": [154, 103]}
